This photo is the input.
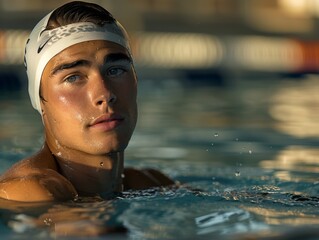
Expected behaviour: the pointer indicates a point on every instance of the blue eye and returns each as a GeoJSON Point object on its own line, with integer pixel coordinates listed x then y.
{"type": "Point", "coordinates": [115, 71]}
{"type": "Point", "coordinates": [72, 78]}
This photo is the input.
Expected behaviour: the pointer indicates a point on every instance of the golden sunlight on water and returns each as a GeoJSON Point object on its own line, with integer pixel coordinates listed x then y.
{"type": "Point", "coordinates": [294, 158]}
{"type": "Point", "coordinates": [296, 108]}
{"type": "Point", "coordinates": [277, 217]}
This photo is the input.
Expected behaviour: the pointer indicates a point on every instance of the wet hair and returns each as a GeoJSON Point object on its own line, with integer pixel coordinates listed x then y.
{"type": "Point", "coordinates": [78, 11]}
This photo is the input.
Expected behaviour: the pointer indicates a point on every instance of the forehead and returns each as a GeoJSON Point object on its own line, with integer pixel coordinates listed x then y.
{"type": "Point", "coordinates": [86, 50]}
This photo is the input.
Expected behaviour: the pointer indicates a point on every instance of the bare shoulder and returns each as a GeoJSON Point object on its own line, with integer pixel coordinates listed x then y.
{"type": "Point", "coordinates": [31, 165]}
{"type": "Point", "coordinates": [47, 185]}
{"type": "Point", "coordinates": [35, 179]}
{"type": "Point", "coordinates": [145, 178]}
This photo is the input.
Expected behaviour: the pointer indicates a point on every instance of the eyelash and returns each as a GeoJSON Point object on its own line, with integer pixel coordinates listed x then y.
{"type": "Point", "coordinates": [118, 68]}
{"type": "Point", "coordinates": [67, 79]}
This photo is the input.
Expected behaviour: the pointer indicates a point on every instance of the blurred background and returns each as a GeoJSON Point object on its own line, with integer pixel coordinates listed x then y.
{"type": "Point", "coordinates": [220, 36]}
{"type": "Point", "coordinates": [228, 90]}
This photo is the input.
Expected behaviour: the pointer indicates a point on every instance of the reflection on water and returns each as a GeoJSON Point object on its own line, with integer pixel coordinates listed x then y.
{"type": "Point", "coordinates": [238, 221]}
{"type": "Point", "coordinates": [295, 159]}
{"type": "Point", "coordinates": [284, 217]}
{"type": "Point", "coordinates": [296, 108]}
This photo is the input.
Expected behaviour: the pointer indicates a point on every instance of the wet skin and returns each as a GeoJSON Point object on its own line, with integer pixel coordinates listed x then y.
{"type": "Point", "coordinates": [89, 113]}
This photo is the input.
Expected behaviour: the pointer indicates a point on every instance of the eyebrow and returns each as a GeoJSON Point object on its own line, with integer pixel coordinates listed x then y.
{"type": "Point", "coordinates": [70, 65]}
{"type": "Point", "coordinates": [113, 57]}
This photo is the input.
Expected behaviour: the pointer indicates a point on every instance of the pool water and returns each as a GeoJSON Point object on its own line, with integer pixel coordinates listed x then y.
{"type": "Point", "coordinates": [244, 150]}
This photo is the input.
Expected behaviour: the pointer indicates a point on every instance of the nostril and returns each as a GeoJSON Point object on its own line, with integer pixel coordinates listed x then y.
{"type": "Point", "coordinates": [112, 99]}
{"type": "Point", "coordinates": [106, 100]}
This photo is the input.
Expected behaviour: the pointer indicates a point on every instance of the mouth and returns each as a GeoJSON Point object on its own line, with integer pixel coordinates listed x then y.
{"type": "Point", "coordinates": [106, 122]}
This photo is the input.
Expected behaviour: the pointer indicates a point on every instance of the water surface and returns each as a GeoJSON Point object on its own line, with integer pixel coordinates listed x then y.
{"type": "Point", "coordinates": [246, 149]}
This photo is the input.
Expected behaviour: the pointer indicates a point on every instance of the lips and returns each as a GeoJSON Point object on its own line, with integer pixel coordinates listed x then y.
{"type": "Point", "coordinates": [106, 122]}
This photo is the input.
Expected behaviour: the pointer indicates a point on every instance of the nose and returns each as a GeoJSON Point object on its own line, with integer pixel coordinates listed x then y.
{"type": "Point", "coordinates": [106, 100]}
{"type": "Point", "coordinates": [101, 92]}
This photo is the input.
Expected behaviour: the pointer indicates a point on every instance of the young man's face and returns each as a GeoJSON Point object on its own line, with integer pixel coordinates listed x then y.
{"type": "Point", "coordinates": [89, 92]}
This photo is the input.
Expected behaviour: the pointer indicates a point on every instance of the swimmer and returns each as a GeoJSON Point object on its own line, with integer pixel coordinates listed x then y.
{"type": "Point", "coordinates": [83, 83]}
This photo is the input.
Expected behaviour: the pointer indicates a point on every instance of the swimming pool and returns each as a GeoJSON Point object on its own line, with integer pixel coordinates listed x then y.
{"type": "Point", "coordinates": [246, 148]}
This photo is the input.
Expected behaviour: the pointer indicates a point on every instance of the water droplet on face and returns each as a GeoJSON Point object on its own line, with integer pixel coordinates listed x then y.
{"type": "Point", "coordinates": [76, 198]}
{"type": "Point", "coordinates": [47, 221]}
{"type": "Point", "coordinates": [101, 164]}
{"type": "Point", "coordinates": [57, 144]}
{"type": "Point", "coordinates": [237, 173]}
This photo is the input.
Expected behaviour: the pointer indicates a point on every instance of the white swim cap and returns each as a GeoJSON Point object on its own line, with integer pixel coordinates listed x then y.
{"type": "Point", "coordinates": [43, 45]}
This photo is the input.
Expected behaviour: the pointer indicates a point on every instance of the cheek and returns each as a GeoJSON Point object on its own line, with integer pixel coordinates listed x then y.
{"type": "Point", "coordinates": [130, 95]}
{"type": "Point", "coordinates": [63, 101]}
{"type": "Point", "coordinates": [129, 92]}
{"type": "Point", "coordinates": [68, 104]}
{"type": "Point", "coordinates": [67, 99]}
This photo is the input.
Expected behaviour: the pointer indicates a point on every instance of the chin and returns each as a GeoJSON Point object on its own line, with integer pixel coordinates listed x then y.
{"type": "Point", "coordinates": [108, 148]}
{"type": "Point", "coordinates": [117, 142]}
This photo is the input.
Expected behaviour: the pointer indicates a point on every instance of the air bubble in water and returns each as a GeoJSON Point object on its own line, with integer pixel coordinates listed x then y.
{"type": "Point", "coordinates": [237, 173]}
{"type": "Point", "coordinates": [122, 175]}
{"type": "Point", "coordinates": [216, 135]}
{"type": "Point", "coordinates": [250, 151]}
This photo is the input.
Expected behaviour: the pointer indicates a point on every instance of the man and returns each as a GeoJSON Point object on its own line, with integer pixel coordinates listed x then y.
{"type": "Point", "coordinates": [83, 83]}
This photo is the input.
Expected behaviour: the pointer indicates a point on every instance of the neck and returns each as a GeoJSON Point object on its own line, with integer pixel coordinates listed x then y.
{"type": "Point", "coordinates": [92, 175]}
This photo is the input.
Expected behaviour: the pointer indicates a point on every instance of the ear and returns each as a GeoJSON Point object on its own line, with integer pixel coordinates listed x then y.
{"type": "Point", "coordinates": [42, 107]}
{"type": "Point", "coordinates": [43, 115]}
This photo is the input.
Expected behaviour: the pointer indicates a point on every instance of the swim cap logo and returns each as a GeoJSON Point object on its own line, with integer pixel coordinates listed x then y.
{"type": "Point", "coordinates": [54, 35]}
{"type": "Point", "coordinates": [43, 45]}
{"type": "Point", "coordinates": [25, 54]}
